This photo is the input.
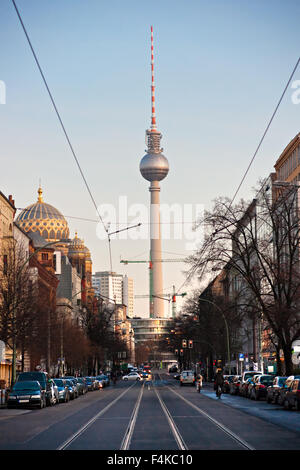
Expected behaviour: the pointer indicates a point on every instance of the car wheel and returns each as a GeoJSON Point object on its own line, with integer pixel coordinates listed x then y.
{"type": "Point", "coordinates": [287, 405]}
{"type": "Point", "coordinates": [125, 379]}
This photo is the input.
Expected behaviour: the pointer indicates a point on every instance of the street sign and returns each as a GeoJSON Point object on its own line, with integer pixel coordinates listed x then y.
{"type": "Point", "coordinates": [241, 357]}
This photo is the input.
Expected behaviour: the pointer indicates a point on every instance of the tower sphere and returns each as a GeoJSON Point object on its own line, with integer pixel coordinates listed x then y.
{"type": "Point", "coordinates": [154, 166]}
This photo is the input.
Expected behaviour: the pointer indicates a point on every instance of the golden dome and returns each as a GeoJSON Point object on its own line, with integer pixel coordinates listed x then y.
{"type": "Point", "coordinates": [44, 219]}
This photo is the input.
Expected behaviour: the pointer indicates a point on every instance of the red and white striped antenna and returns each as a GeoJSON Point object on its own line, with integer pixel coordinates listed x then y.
{"type": "Point", "coordinates": [153, 117]}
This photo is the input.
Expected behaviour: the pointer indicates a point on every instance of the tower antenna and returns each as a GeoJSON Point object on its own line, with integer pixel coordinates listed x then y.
{"type": "Point", "coordinates": [153, 117]}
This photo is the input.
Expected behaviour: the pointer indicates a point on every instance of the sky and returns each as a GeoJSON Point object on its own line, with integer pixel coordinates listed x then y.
{"type": "Point", "coordinates": [220, 69]}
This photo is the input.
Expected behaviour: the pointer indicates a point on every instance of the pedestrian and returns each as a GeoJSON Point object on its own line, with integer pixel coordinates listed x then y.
{"type": "Point", "coordinates": [149, 380]}
{"type": "Point", "coordinates": [219, 383]}
{"type": "Point", "coordinates": [199, 381]}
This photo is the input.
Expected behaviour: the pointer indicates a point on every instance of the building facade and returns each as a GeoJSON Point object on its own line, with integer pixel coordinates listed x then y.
{"type": "Point", "coordinates": [116, 287]}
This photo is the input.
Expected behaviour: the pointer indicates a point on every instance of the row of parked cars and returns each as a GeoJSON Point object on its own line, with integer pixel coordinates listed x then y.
{"type": "Point", "coordinates": [39, 390]}
{"type": "Point", "coordinates": [283, 391]}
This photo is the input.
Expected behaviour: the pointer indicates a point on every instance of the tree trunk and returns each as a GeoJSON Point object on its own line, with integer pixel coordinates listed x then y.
{"type": "Point", "coordinates": [287, 352]}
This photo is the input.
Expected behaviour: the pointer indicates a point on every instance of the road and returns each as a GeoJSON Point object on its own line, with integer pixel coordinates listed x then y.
{"type": "Point", "coordinates": [160, 416]}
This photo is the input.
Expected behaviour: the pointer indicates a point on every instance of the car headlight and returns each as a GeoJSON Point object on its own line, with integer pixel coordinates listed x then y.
{"type": "Point", "coordinates": [12, 397]}
{"type": "Point", "coordinates": [35, 396]}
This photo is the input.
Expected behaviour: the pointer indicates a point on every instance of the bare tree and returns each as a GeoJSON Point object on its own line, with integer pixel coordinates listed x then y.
{"type": "Point", "coordinates": [258, 243]}
{"type": "Point", "coordinates": [18, 302]}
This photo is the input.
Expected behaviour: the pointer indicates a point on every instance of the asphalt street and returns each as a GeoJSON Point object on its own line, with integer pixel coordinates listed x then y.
{"type": "Point", "coordinates": [157, 416]}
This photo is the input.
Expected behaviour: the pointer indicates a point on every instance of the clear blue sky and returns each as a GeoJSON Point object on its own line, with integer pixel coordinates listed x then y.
{"type": "Point", "coordinates": [220, 68]}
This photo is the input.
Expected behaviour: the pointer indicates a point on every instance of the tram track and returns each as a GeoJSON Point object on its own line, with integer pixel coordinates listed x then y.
{"type": "Point", "coordinates": [219, 425]}
{"type": "Point", "coordinates": [84, 428]}
{"type": "Point", "coordinates": [176, 432]}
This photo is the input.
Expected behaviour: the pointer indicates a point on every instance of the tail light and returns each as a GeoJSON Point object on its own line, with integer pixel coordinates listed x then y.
{"type": "Point", "coordinates": [262, 386]}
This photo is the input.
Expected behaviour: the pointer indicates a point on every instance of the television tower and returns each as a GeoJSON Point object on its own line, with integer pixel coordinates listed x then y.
{"type": "Point", "coordinates": [154, 167]}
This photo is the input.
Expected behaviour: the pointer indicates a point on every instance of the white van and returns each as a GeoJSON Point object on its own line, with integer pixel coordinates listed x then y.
{"type": "Point", "coordinates": [248, 374]}
{"type": "Point", "coordinates": [187, 377]}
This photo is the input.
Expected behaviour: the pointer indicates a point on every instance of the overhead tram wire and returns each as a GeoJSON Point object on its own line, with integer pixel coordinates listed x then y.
{"type": "Point", "coordinates": [60, 119]}
{"type": "Point", "coordinates": [194, 269]}
{"type": "Point", "coordinates": [265, 132]}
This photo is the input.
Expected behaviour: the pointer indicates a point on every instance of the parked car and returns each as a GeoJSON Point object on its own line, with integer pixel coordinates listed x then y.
{"type": "Point", "coordinates": [72, 388]}
{"type": "Point", "coordinates": [97, 384]}
{"type": "Point", "coordinates": [292, 396]}
{"type": "Point", "coordinates": [173, 368]}
{"type": "Point", "coordinates": [285, 388]}
{"type": "Point", "coordinates": [187, 377]}
{"type": "Point", "coordinates": [82, 381]}
{"type": "Point", "coordinates": [243, 390]}
{"type": "Point", "coordinates": [63, 390]}
{"type": "Point", "coordinates": [90, 383]}
{"type": "Point", "coordinates": [76, 383]}
{"type": "Point", "coordinates": [235, 385]}
{"type": "Point", "coordinates": [251, 384]}
{"type": "Point", "coordinates": [227, 381]}
{"type": "Point", "coordinates": [27, 393]}
{"type": "Point", "coordinates": [131, 376]}
{"type": "Point", "coordinates": [246, 375]}
{"type": "Point", "coordinates": [273, 390]}
{"type": "Point", "coordinates": [43, 379]}
{"type": "Point", "coordinates": [259, 388]}
{"type": "Point", "coordinates": [104, 379]}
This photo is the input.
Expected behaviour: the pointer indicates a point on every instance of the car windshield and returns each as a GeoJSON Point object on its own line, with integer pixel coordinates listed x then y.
{"type": "Point", "coordinates": [26, 386]}
{"type": "Point", "coordinates": [266, 379]}
{"type": "Point", "coordinates": [248, 375]}
{"type": "Point", "coordinates": [31, 376]}
{"type": "Point", "coordinates": [187, 373]}
{"type": "Point", "coordinates": [59, 382]}
{"type": "Point", "coordinates": [281, 380]}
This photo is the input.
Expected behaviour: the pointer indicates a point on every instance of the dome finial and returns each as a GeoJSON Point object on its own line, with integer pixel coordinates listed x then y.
{"type": "Point", "coordinates": [40, 192]}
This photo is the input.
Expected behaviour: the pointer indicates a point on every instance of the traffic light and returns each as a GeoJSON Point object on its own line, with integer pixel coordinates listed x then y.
{"type": "Point", "coordinates": [181, 352]}
{"type": "Point", "coordinates": [184, 343]}
{"type": "Point", "coordinates": [190, 343]}
{"type": "Point", "coordinates": [214, 362]}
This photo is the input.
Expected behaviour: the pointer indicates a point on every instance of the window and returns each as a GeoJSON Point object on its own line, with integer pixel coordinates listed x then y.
{"type": "Point", "coordinates": [4, 264]}
{"type": "Point", "coordinates": [44, 256]}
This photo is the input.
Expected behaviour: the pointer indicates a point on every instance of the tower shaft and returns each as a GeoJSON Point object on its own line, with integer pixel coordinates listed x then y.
{"type": "Point", "coordinates": [155, 250]}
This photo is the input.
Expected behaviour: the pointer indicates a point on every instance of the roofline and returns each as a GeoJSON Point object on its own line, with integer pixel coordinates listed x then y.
{"type": "Point", "coordinates": [287, 150]}
{"type": "Point", "coordinates": [7, 200]}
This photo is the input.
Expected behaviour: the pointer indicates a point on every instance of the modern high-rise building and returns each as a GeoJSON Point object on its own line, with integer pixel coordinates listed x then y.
{"type": "Point", "coordinates": [128, 295]}
{"type": "Point", "coordinates": [154, 167]}
{"type": "Point", "coordinates": [116, 287]}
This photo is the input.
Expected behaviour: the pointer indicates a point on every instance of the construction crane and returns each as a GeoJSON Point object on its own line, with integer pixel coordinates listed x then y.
{"type": "Point", "coordinates": [167, 297]}
{"type": "Point", "coordinates": [168, 260]}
